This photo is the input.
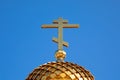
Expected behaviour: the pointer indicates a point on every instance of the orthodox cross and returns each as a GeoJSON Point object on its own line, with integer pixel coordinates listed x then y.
{"type": "Point", "coordinates": [60, 24]}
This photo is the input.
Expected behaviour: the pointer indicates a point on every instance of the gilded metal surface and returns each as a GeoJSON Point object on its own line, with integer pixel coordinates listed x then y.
{"type": "Point", "coordinates": [60, 55]}
{"type": "Point", "coordinates": [60, 71]}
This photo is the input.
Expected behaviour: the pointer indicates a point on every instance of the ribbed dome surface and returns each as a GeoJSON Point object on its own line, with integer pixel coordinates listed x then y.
{"type": "Point", "coordinates": [60, 71]}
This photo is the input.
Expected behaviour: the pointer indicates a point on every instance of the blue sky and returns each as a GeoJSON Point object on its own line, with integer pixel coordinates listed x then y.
{"type": "Point", "coordinates": [24, 45]}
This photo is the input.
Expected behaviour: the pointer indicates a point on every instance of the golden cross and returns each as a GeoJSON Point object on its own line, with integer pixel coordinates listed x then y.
{"type": "Point", "coordinates": [60, 24]}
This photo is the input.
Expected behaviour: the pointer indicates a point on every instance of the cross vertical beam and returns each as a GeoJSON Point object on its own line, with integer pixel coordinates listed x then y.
{"type": "Point", "coordinates": [60, 34]}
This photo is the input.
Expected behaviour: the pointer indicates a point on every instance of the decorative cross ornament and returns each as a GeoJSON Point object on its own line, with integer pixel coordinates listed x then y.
{"type": "Point", "coordinates": [60, 24]}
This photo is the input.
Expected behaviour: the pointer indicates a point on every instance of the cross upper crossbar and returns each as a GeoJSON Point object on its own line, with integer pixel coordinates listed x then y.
{"type": "Point", "coordinates": [63, 26]}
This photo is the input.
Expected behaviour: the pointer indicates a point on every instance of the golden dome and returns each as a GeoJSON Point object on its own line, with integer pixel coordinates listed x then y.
{"type": "Point", "coordinates": [60, 71]}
